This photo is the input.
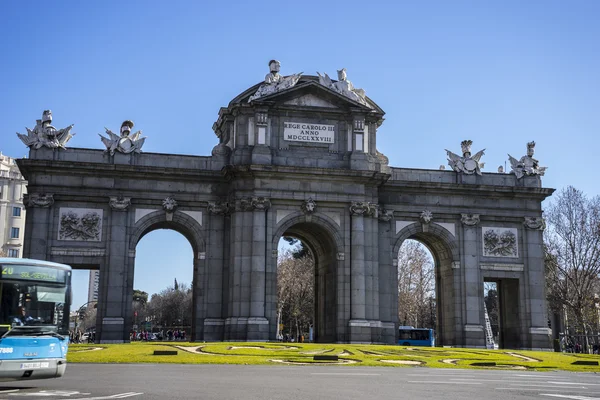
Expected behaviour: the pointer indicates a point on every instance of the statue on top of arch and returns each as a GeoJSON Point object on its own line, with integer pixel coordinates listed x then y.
{"type": "Point", "coordinates": [275, 82]}
{"type": "Point", "coordinates": [344, 87]}
{"type": "Point", "coordinates": [527, 165]}
{"type": "Point", "coordinates": [124, 143]}
{"type": "Point", "coordinates": [44, 134]}
{"type": "Point", "coordinates": [466, 164]}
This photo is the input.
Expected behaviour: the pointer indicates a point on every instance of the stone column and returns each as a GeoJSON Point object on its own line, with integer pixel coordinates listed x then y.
{"type": "Point", "coordinates": [258, 325]}
{"type": "Point", "coordinates": [539, 333]}
{"type": "Point", "coordinates": [474, 326]}
{"type": "Point", "coordinates": [38, 216]}
{"type": "Point", "coordinates": [213, 290]}
{"type": "Point", "coordinates": [359, 327]}
{"type": "Point", "coordinates": [388, 276]}
{"type": "Point", "coordinates": [117, 277]}
{"type": "Point", "coordinates": [239, 274]}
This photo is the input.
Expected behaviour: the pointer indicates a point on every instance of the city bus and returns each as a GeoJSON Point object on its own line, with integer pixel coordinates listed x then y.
{"type": "Point", "coordinates": [35, 298]}
{"type": "Point", "coordinates": [410, 336]}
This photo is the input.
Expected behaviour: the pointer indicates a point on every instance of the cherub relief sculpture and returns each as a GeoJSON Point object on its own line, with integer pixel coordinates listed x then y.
{"type": "Point", "coordinates": [124, 143]}
{"type": "Point", "coordinates": [44, 134]}
{"type": "Point", "coordinates": [527, 165]}
{"type": "Point", "coordinates": [343, 86]}
{"type": "Point", "coordinates": [466, 164]}
{"type": "Point", "coordinates": [275, 82]}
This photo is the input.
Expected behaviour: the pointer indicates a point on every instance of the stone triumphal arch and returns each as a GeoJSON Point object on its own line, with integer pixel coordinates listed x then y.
{"type": "Point", "coordinates": [296, 155]}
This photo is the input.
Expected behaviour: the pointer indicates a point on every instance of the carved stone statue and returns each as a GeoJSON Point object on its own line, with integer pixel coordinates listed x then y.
{"type": "Point", "coordinates": [274, 82]}
{"type": "Point", "coordinates": [466, 164]}
{"type": "Point", "coordinates": [124, 143]}
{"type": "Point", "coordinates": [44, 134]}
{"type": "Point", "coordinates": [343, 86]}
{"type": "Point", "coordinates": [527, 165]}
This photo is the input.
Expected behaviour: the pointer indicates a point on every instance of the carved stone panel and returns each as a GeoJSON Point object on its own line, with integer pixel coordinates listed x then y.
{"type": "Point", "coordinates": [80, 224]}
{"type": "Point", "coordinates": [500, 242]}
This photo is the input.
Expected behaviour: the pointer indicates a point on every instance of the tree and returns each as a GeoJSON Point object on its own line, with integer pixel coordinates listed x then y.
{"type": "Point", "coordinates": [295, 290]}
{"type": "Point", "coordinates": [172, 307]}
{"type": "Point", "coordinates": [572, 241]}
{"type": "Point", "coordinates": [416, 280]}
{"type": "Point", "coordinates": [299, 250]}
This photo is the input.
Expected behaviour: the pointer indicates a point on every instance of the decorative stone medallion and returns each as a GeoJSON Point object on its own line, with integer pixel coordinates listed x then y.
{"type": "Point", "coordinates": [218, 208]}
{"type": "Point", "coordinates": [80, 224]}
{"type": "Point", "coordinates": [359, 208]}
{"type": "Point", "coordinates": [500, 242]}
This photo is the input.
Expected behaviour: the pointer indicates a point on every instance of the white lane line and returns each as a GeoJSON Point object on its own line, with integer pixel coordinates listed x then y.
{"type": "Point", "coordinates": [114, 396]}
{"type": "Point", "coordinates": [566, 396]}
{"type": "Point", "coordinates": [9, 391]}
{"type": "Point", "coordinates": [570, 389]}
{"type": "Point", "coordinates": [546, 386]}
{"type": "Point", "coordinates": [343, 374]}
{"type": "Point", "coordinates": [447, 382]}
{"type": "Point", "coordinates": [572, 383]}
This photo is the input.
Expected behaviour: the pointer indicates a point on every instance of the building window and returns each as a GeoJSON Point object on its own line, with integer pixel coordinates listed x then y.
{"type": "Point", "coordinates": [16, 211]}
{"type": "Point", "coordinates": [13, 253]}
{"type": "Point", "coordinates": [14, 233]}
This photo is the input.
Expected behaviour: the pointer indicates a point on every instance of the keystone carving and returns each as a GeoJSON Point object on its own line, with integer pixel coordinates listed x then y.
{"type": "Point", "coordinates": [308, 206]}
{"type": "Point", "coordinates": [469, 219]}
{"type": "Point", "coordinates": [40, 200]}
{"type": "Point", "coordinates": [535, 223]}
{"type": "Point", "coordinates": [169, 204]}
{"type": "Point", "coordinates": [426, 217]}
{"type": "Point", "coordinates": [120, 203]}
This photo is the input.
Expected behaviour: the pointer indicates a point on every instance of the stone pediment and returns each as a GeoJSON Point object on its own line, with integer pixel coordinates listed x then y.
{"type": "Point", "coordinates": [307, 93]}
{"type": "Point", "coordinates": [309, 100]}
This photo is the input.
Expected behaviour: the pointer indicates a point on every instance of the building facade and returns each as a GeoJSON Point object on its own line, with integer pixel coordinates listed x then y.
{"type": "Point", "coordinates": [12, 212]}
{"type": "Point", "coordinates": [296, 156]}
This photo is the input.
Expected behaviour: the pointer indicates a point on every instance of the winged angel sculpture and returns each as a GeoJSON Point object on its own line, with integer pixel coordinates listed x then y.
{"type": "Point", "coordinates": [124, 144]}
{"type": "Point", "coordinates": [466, 164]}
{"type": "Point", "coordinates": [44, 134]}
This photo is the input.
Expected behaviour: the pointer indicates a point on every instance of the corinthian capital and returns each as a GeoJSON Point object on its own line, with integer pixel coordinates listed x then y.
{"type": "Point", "coordinates": [469, 219]}
{"type": "Point", "coordinates": [120, 203]}
{"type": "Point", "coordinates": [255, 203]}
{"type": "Point", "coordinates": [218, 208]}
{"type": "Point", "coordinates": [535, 223]}
{"type": "Point", "coordinates": [359, 208]}
{"type": "Point", "coordinates": [39, 200]}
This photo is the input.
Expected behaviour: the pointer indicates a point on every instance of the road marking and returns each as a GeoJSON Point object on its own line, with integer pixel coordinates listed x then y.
{"type": "Point", "coordinates": [572, 383]}
{"type": "Point", "coordinates": [546, 386]}
{"type": "Point", "coordinates": [571, 389]}
{"type": "Point", "coordinates": [566, 396]}
{"type": "Point", "coordinates": [114, 396]}
{"type": "Point", "coordinates": [51, 393]}
{"type": "Point", "coordinates": [342, 374]}
{"type": "Point", "coordinates": [447, 382]}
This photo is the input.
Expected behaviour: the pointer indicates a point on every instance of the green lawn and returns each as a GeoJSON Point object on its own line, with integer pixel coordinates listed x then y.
{"type": "Point", "coordinates": [351, 355]}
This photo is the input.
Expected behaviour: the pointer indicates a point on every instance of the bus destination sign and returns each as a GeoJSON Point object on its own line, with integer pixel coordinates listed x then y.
{"type": "Point", "coordinates": [32, 273]}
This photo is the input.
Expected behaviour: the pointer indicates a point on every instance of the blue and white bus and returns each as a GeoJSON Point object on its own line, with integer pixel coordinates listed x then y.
{"type": "Point", "coordinates": [410, 336]}
{"type": "Point", "coordinates": [35, 298]}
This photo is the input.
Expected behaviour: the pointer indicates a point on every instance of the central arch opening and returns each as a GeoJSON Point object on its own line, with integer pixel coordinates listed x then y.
{"type": "Point", "coordinates": [434, 282]}
{"type": "Point", "coordinates": [320, 257]}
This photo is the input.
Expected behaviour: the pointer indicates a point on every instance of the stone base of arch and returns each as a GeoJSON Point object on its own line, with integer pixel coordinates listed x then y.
{"type": "Point", "coordinates": [371, 331]}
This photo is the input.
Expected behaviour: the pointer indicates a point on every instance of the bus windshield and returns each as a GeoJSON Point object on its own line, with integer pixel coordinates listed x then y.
{"type": "Point", "coordinates": [34, 296]}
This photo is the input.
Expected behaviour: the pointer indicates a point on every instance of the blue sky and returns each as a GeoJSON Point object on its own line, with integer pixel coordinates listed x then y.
{"type": "Point", "coordinates": [498, 73]}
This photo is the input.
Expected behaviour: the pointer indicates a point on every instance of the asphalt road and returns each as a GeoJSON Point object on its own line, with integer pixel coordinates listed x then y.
{"type": "Point", "coordinates": [175, 381]}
